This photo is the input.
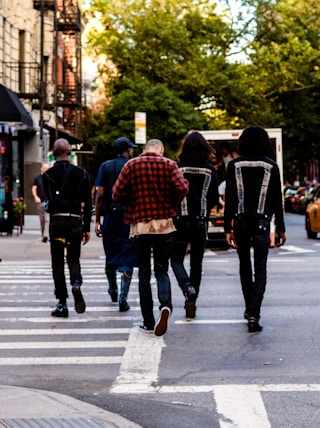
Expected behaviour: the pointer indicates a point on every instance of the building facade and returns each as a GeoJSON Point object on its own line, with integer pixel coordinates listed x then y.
{"type": "Point", "coordinates": [40, 93]}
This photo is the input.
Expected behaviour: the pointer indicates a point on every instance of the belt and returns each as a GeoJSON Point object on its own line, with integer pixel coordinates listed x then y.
{"type": "Point", "coordinates": [67, 215]}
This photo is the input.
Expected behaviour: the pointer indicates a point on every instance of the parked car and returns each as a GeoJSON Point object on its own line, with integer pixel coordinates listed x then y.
{"type": "Point", "coordinates": [312, 216]}
{"type": "Point", "coordinates": [289, 194]}
{"type": "Point", "coordinates": [296, 200]}
{"type": "Point", "coordinates": [307, 198]}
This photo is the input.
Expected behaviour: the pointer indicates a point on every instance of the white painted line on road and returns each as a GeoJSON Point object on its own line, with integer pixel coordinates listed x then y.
{"type": "Point", "coordinates": [64, 345]}
{"type": "Point", "coordinates": [38, 361]}
{"type": "Point", "coordinates": [294, 249]}
{"type": "Point", "coordinates": [140, 363]}
{"type": "Point", "coordinates": [24, 280]}
{"type": "Point", "coordinates": [290, 387]}
{"type": "Point", "coordinates": [83, 319]}
{"type": "Point", "coordinates": [240, 406]}
{"type": "Point", "coordinates": [61, 331]}
{"type": "Point", "coordinates": [181, 389]}
{"type": "Point", "coordinates": [190, 322]}
{"type": "Point", "coordinates": [291, 260]}
{"type": "Point", "coordinates": [41, 309]}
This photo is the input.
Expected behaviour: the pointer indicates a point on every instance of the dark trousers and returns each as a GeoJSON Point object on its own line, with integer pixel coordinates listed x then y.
{"type": "Point", "coordinates": [160, 245]}
{"type": "Point", "coordinates": [253, 233]}
{"type": "Point", "coordinates": [193, 232]}
{"type": "Point", "coordinates": [65, 233]}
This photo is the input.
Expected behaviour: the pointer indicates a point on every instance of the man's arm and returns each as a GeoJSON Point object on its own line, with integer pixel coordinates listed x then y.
{"type": "Point", "coordinates": [180, 184]}
{"type": "Point", "coordinates": [120, 189]}
{"type": "Point", "coordinates": [99, 204]}
{"type": "Point", "coordinates": [34, 194]}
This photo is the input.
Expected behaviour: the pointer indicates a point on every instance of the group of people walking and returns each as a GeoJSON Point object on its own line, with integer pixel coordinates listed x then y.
{"type": "Point", "coordinates": [155, 209]}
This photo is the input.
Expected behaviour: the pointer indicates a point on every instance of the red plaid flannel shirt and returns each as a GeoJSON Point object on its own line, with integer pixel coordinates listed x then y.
{"type": "Point", "coordinates": [150, 186]}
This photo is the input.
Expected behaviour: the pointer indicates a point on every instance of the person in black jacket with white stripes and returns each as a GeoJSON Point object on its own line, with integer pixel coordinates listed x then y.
{"type": "Point", "coordinates": [253, 195]}
{"type": "Point", "coordinates": [194, 211]}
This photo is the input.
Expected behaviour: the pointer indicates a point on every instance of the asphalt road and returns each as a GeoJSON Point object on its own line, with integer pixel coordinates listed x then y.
{"type": "Point", "coordinates": [210, 372]}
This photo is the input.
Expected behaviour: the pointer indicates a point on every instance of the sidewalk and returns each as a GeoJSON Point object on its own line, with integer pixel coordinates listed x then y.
{"type": "Point", "coordinates": [28, 246]}
{"type": "Point", "coordinates": [24, 407]}
{"type": "Point", "coordinates": [31, 408]}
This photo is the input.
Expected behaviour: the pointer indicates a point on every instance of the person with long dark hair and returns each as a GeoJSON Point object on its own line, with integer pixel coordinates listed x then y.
{"type": "Point", "coordinates": [192, 219]}
{"type": "Point", "coordinates": [253, 196]}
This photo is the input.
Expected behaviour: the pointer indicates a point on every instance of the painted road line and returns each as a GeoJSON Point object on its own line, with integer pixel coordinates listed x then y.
{"type": "Point", "coordinates": [64, 345]}
{"type": "Point", "coordinates": [294, 249]}
{"type": "Point", "coordinates": [38, 361]}
{"type": "Point", "coordinates": [24, 280]}
{"type": "Point", "coordinates": [138, 374]}
{"type": "Point", "coordinates": [62, 331]}
{"type": "Point", "coordinates": [240, 406]}
{"type": "Point", "coordinates": [41, 309]}
{"type": "Point", "coordinates": [181, 389]}
{"type": "Point", "coordinates": [210, 321]}
{"type": "Point", "coordinates": [81, 320]}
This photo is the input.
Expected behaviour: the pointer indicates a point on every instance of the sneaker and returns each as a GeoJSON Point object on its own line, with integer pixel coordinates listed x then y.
{"type": "Point", "coordinates": [162, 324]}
{"type": "Point", "coordinates": [146, 328]}
{"type": "Point", "coordinates": [253, 325]}
{"type": "Point", "coordinates": [190, 294]}
{"type": "Point", "coordinates": [190, 309]}
{"type": "Point", "coordinates": [124, 307]}
{"type": "Point", "coordinates": [60, 311]}
{"type": "Point", "coordinates": [45, 239]}
{"type": "Point", "coordinates": [79, 303]}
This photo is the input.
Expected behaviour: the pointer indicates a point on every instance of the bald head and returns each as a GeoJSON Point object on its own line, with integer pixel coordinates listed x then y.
{"type": "Point", "coordinates": [155, 146]}
{"type": "Point", "coordinates": [61, 149]}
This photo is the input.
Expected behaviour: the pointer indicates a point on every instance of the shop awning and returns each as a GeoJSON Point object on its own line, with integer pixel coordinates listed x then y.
{"type": "Point", "coordinates": [12, 111]}
{"type": "Point", "coordinates": [76, 143]}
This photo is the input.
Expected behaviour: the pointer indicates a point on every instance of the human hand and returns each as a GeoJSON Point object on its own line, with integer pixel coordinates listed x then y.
{"type": "Point", "coordinates": [230, 240]}
{"type": "Point", "coordinates": [281, 239]}
{"type": "Point", "coordinates": [98, 230]}
{"type": "Point", "coordinates": [85, 237]}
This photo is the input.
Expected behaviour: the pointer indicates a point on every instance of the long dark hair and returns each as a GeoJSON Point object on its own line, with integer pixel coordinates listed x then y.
{"type": "Point", "coordinates": [195, 149]}
{"type": "Point", "coordinates": [254, 140]}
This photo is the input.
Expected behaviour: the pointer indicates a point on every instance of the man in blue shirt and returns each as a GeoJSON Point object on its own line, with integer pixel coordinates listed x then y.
{"type": "Point", "coordinates": [119, 250]}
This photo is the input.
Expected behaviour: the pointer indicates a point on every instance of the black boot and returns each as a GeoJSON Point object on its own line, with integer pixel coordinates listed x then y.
{"type": "Point", "coordinates": [253, 325]}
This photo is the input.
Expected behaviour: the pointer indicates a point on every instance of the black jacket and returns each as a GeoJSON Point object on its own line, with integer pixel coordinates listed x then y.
{"type": "Point", "coordinates": [75, 195]}
{"type": "Point", "coordinates": [203, 192]}
{"type": "Point", "coordinates": [253, 188]}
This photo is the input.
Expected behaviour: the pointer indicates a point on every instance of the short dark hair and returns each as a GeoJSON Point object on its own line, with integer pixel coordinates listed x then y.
{"type": "Point", "coordinates": [254, 140]}
{"type": "Point", "coordinates": [195, 149]}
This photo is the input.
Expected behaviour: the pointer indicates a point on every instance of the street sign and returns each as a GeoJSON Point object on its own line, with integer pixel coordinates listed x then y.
{"type": "Point", "coordinates": [140, 127]}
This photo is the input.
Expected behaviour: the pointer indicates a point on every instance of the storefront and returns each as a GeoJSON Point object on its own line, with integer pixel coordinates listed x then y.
{"type": "Point", "coordinates": [16, 126]}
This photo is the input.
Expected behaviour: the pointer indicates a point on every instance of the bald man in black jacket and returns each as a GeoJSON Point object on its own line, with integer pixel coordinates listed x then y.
{"type": "Point", "coordinates": [68, 194]}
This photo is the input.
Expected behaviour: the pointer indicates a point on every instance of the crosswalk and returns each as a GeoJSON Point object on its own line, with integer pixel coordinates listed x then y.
{"type": "Point", "coordinates": [103, 336]}
{"type": "Point", "coordinates": [26, 300]}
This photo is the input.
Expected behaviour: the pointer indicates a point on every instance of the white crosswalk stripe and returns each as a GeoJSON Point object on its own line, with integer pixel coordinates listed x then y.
{"type": "Point", "coordinates": [26, 299]}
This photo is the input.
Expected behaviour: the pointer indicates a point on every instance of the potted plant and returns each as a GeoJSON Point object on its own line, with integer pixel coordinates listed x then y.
{"type": "Point", "coordinates": [18, 210]}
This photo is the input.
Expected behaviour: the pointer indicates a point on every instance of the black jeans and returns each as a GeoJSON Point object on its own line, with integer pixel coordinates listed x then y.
{"type": "Point", "coordinates": [255, 233]}
{"type": "Point", "coordinates": [193, 232]}
{"type": "Point", "coordinates": [65, 233]}
{"type": "Point", "coordinates": [160, 245]}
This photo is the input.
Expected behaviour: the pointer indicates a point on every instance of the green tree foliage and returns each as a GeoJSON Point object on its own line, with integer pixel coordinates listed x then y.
{"type": "Point", "coordinates": [174, 59]}
{"type": "Point", "coordinates": [286, 60]}
{"type": "Point", "coordinates": [167, 58]}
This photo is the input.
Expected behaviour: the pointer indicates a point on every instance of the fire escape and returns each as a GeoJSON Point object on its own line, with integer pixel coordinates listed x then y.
{"type": "Point", "coordinates": [68, 65]}
{"type": "Point", "coordinates": [54, 84]}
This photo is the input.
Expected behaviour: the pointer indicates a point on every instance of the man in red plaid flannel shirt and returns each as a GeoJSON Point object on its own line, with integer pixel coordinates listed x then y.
{"type": "Point", "coordinates": [150, 187]}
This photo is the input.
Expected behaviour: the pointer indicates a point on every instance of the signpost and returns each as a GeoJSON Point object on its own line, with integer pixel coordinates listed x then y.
{"type": "Point", "coordinates": [141, 127]}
